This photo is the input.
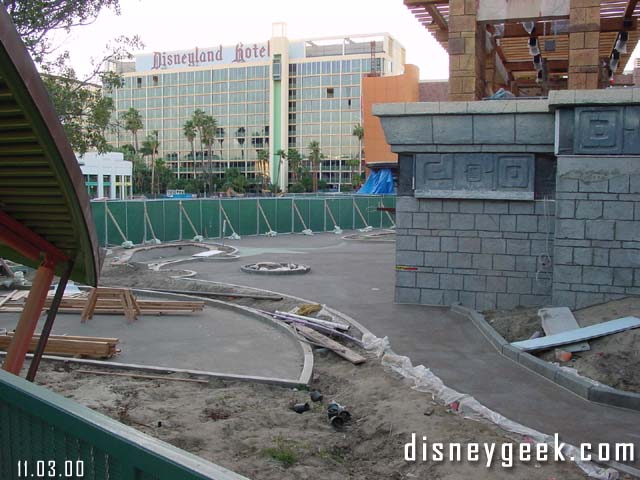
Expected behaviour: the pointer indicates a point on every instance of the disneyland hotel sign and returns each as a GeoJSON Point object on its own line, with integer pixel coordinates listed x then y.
{"type": "Point", "coordinates": [240, 53]}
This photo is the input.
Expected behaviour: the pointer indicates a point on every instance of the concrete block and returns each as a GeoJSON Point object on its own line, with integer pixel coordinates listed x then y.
{"type": "Point", "coordinates": [496, 284]}
{"type": "Point", "coordinates": [564, 298]}
{"type": "Point", "coordinates": [471, 206]}
{"type": "Point", "coordinates": [627, 230]}
{"type": "Point", "coordinates": [428, 244]}
{"type": "Point", "coordinates": [593, 186]}
{"type": "Point", "coordinates": [435, 259]}
{"type": "Point", "coordinates": [429, 205]}
{"type": "Point", "coordinates": [486, 301]}
{"type": "Point", "coordinates": [409, 258]}
{"type": "Point", "coordinates": [488, 222]}
{"type": "Point", "coordinates": [562, 255]}
{"type": "Point", "coordinates": [475, 284]}
{"type": "Point", "coordinates": [439, 220]}
{"type": "Point", "coordinates": [567, 228]}
{"type": "Point", "coordinates": [508, 223]}
{"type": "Point", "coordinates": [459, 260]}
{"type": "Point", "coordinates": [601, 257]}
{"type": "Point", "coordinates": [619, 184]}
{"type": "Point", "coordinates": [407, 295]}
{"type": "Point", "coordinates": [545, 207]}
{"type": "Point", "coordinates": [469, 245]}
{"type": "Point", "coordinates": [584, 300]}
{"type": "Point", "coordinates": [526, 264]}
{"type": "Point", "coordinates": [634, 183]}
{"type": "Point", "coordinates": [451, 297]}
{"type": "Point", "coordinates": [422, 108]}
{"type": "Point", "coordinates": [599, 229]}
{"type": "Point", "coordinates": [452, 129]}
{"type": "Point", "coordinates": [508, 301]}
{"type": "Point", "coordinates": [451, 282]}
{"type": "Point", "coordinates": [462, 221]}
{"type": "Point", "coordinates": [522, 208]}
{"type": "Point", "coordinates": [482, 261]}
{"type": "Point", "coordinates": [588, 209]}
{"type": "Point", "coordinates": [535, 129]}
{"type": "Point", "coordinates": [623, 277]}
{"type": "Point", "coordinates": [504, 262]}
{"type": "Point", "coordinates": [624, 258]}
{"type": "Point", "coordinates": [537, 365]}
{"type": "Point", "coordinates": [526, 223]}
{"type": "Point", "coordinates": [573, 383]}
{"type": "Point", "coordinates": [497, 129]}
{"type": "Point", "coordinates": [468, 299]}
{"type": "Point", "coordinates": [567, 274]}
{"type": "Point", "coordinates": [405, 242]}
{"type": "Point", "coordinates": [405, 279]}
{"type": "Point", "coordinates": [420, 220]}
{"type": "Point", "coordinates": [618, 210]}
{"type": "Point", "coordinates": [612, 396]}
{"type": "Point", "coordinates": [518, 247]}
{"type": "Point", "coordinates": [451, 206]}
{"type": "Point", "coordinates": [449, 244]}
{"type": "Point", "coordinates": [428, 280]}
{"type": "Point", "coordinates": [583, 256]}
{"type": "Point", "coordinates": [404, 219]}
{"type": "Point", "coordinates": [389, 108]}
{"type": "Point", "coordinates": [408, 130]}
{"type": "Point", "coordinates": [566, 184]}
{"type": "Point", "coordinates": [597, 275]}
{"type": "Point", "coordinates": [519, 285]}
{"type": "Point", "coordinates": [542, 247]}
{"type": "Point", "coordinates": [492, 106]}
{"type": "Point", "coordinates": [494, 245]}
{"type": "Point", "coordinates": [511, 352]}
{"type": "Point", "coordinates": [406, 204]}
{"type": "Point", "coordinates": [431, 297]}
{"type": "Point", "coordinates": [496, 206]}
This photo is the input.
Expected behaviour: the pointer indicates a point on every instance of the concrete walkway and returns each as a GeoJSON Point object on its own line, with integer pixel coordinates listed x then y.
{"type": "Point", "coordinates": [214, 340]}
{"type": "Point", "coordinates": [357, 278]}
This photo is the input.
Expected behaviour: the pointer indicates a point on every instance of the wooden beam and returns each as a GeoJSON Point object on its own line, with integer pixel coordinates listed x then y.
{"type": "Point", "coordinates": [418, 3]}
{"type": "Point", "coordinates": [631, 6]}
{"type": "Point", "coordinates": [554, 66]}
{"type": "Point", "coordinates": [437, 17]}
{"type": "Point", "coordinates": [516, 30]}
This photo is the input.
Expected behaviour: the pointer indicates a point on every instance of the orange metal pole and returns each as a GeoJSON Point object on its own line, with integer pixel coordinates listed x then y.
{"type": "Point", "coordinates": [29, 318]}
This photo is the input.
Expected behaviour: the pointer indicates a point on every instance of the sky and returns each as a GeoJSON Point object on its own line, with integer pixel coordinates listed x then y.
{"type": "Point", "coordinates": [165, 25]}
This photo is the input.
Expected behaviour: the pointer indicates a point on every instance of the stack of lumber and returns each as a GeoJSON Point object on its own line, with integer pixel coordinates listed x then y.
{"type": "Point", "coordinates": [70, 346]}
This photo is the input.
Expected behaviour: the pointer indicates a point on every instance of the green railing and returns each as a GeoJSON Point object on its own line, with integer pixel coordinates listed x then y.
{"type": "Point", "coordinates": [44, 435]}
{"type": "Point", "coordinates": [173, 219]}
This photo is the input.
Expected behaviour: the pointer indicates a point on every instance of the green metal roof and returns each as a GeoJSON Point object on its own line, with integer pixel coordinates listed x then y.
{"type": "Point", "coordinates": [41, 185]}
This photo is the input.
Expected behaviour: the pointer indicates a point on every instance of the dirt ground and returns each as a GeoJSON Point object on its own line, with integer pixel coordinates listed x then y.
{"type": "Point", "coordinates": [251, 429]}
{"type": "Point", "coordinates": [613, 360]}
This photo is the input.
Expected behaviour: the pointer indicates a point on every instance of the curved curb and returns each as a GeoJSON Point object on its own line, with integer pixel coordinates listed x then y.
{"type": "Point", "coordinates": [129, 253]}
{"type": "Point", "coordinates": [307, 353]}
{"type": "Point", "coordinates": [574, 383]}
{"type": "Point", "coordinates": [299, 271]}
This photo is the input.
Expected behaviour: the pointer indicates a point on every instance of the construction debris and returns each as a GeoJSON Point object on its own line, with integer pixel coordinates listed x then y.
{"type": "Point", "coordinates": [324, 323]}
{"type": "Point", "coordinates": [332, 345]}
{"type": "Point", "coordinates": [289, 318]}
{"type": "Point", "coordinates": [148, 377]}
{"type": "Point", "coordinates": [307, 309]}
{"type": "Point", "coordinates": [558, 320]}
{"type": "Point", "coordinates": [70, 346]}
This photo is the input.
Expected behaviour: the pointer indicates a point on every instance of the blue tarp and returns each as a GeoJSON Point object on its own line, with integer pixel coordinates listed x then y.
{"type": "Point", "coordinates": [379, 181]}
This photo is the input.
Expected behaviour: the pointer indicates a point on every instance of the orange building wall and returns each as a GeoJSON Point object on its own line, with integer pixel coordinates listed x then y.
{"type": "Point", "coordinates": [397, 88]}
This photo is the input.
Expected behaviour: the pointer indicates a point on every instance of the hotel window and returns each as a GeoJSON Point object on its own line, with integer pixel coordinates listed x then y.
{"type": "Point", "coordinates": [155, 80]}
{"type": "Point", "coordinates": [139, 82]}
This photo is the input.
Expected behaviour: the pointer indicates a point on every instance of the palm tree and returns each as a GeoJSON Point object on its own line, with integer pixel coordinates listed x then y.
{"type": "Point", "coordinates": [314, 156]}
{"type": "Point", "coordinates": [133, 123]}
{"type": "Point", "coordinates": [295, 161]}
{"type": "Point", "coordinates": [189, 131]}
{"type": "Point", "coordinates": [263, 162]}
{"type": "Point", "coordinates": [150, 146]}
{"type": "Point", "coordinates": [199, 119]}
{"type": "Point", "coordinates": [282, 155]}
{"type": "Point", "coordinates": [220, 137]}
{"type": "Point", "coordinates": [358, 132]}
{"type": "Point", "coordinates": [209, 138]}
{"type": "Point", "coordinates": [241, 134]}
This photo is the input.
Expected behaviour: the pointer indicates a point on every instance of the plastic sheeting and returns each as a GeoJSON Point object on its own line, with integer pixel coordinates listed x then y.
{"type": "Point", "coordinates": [424, 380]}
{"type": "Point", "coordinates": [379, 182]}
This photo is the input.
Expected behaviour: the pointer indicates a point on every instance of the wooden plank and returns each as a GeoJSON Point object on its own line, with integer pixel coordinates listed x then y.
{"type": "Point", "coordinates": [57, 346]}
{"type": "Point", "coordinates": [137, 375]}
{"type": "Point", "coordinates": [578, 335]}
{"type": "Point", "coordinates": [8, 297]}
{"type": "Point", "coordinates": [332, 345]}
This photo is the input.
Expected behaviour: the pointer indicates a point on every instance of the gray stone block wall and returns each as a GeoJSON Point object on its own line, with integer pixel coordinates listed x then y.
{"type": "Point", "coordinates": [484, 254]}
{"type": "Point", "coordinates": [597, 247]}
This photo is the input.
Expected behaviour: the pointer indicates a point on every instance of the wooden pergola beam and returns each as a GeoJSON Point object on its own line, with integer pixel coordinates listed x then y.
{"type": "Point", "coordinates": [419, 3]}
{"type": "Point", "coordinates": [516, 30]}
{"type": "Point", "coordinates": [437, 17]}
{"type": "Point", "coordinates": [554, 66]}
{"type": "Point", "coordinates": [631, 7]}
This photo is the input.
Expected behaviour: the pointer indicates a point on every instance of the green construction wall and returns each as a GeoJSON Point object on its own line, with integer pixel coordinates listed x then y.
{"type": "Point", "coordinates": [170, 220]}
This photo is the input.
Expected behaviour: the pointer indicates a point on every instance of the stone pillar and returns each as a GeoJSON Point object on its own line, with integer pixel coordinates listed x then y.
{"type": "Point", "coordinates": [584, 37]}
{"type": "Point", "coordinates": [466, 52]}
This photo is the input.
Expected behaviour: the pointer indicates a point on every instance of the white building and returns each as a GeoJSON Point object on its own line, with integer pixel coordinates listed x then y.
{"type": "Point", "coordinates": [106, 175]}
